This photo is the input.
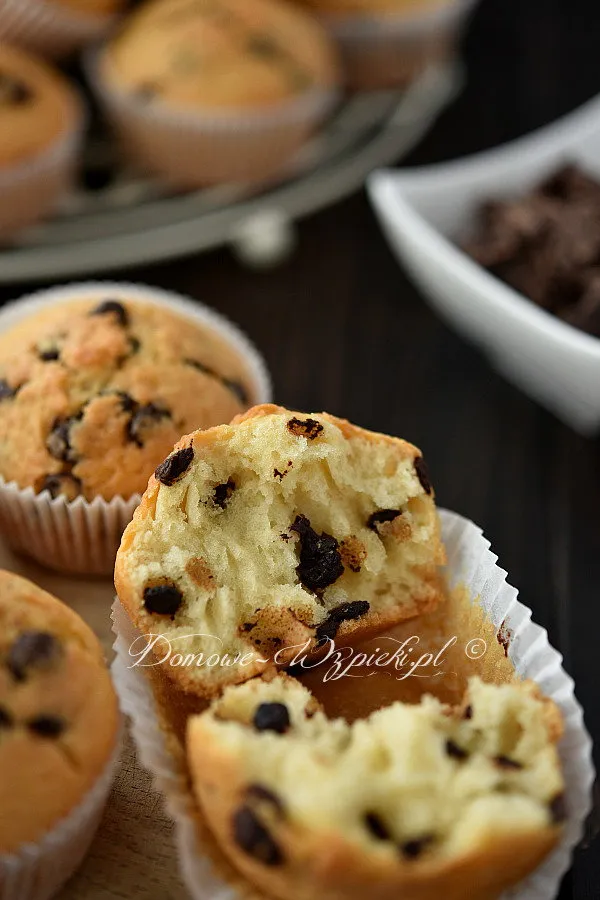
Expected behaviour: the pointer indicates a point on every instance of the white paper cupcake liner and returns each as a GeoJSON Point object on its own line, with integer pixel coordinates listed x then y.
{"type": "Point", "coordinates": [470, 563]}
{"type": "Point", "coordinates": [381, 51]}
{"type": "Point", "coordinates": [48, 28]}
{"type": "Point", "coordinates": [198, 148]}
{"type": "Point", "coordinates": [32, 190]}
{"type": "Point", "coordinates": [37, 871]}
{"type": "Point", "coordinates": [82, 537]}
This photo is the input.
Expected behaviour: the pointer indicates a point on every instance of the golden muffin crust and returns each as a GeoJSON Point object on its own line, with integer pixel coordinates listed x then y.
{"type": "Point", "coordinates": [37, 106]}
{"type": "Point", "coordinates": [418, 802]}
{"type": "Point", "coordinates": [278, 531]}
{"type": "Point", "coordinates": [219, 54]}
{"type": "Point", "coordinates": [58, 711]}
{"type": "Point", "coordinates": [93, 394]}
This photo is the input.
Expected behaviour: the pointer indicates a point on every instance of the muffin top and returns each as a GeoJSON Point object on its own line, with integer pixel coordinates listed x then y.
{"type": "Point", "coordinates": [220, 54]}
{"type": "Point", "coordinates": [94, 393]}
{"type": "Point", "coordinates": [58, 711]}
{"type": "Point", "coordinates": [37, 105]}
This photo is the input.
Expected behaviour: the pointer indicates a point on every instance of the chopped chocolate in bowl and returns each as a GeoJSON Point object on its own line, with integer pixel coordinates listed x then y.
{"type": "Point", "coordinates": [546, 245]}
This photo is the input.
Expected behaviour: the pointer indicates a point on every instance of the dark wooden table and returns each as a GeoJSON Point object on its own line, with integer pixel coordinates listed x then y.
{"type": "Point", "coordinates": [343, 329]}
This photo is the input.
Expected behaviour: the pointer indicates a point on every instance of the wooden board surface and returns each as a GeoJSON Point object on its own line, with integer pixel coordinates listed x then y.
{"type": "Point", "coordinates": [133, 854]}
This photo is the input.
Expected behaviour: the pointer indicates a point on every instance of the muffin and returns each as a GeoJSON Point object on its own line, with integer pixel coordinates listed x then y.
{"type": "Point", "coordinates": [94, 391]}
{"type": "Point", "coordinates": [416, 801]}
{"type": "Point", "coordinates": [274, 536]}
{"type": "Point", "coordinates": [388, 43]}
{"type": "Point", "coordinates": [228, 90]}
{"type": "Point", "coordinates": [40, 125]}
{"type": "Point", "coordinates": [59, 726]}
{"type": "Point", "coordinates": [56, 28]}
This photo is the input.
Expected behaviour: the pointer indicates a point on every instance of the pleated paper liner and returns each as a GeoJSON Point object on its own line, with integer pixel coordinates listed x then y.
{"type": "Point", "coordinates": [32, 190]}
{"type": "Point", "coordinates": [38, 871]}
{"type": "Point", "coordinates": [48, 28]}
{"type": "Point", "coordinates": [81, 536]}
{"type": "Point", "coordinates": [391, 50]}
{"type": "Point", "coordinates": [486, 609]}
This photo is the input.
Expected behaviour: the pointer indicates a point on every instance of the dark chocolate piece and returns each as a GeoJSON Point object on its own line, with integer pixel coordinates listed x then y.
{"type": "Point", "coordinates": [377, 827]}
{"type": "Point", "coordinates": [505, 762]}
{"type": "Point", "coordinates": [58, 442]}
{"type": "Point", "coordinates": [456, 752]}
{"type": "Point", "coordinates": [254, 839]}
{"type": "Point", "coordinates": [413, 849]}
{"type": "Point", "coordinates": [32, 650]}
{"type": "Point", "coordinates": [60, 484]}
{"type": "Point", "coordinates": [308, 428]}
{"type": "Point", "coordinates": [272, 717]}
{"type": "Point", "coordinates": [175, 466]}
{"type": "Point", "coordinates": [223, 492]}
{"type": "Point", "coordinates": [162, 599]}
{"type": "Point", "coordinates": [47, 726]}
{"type": "Point", "coordinates": [6, 720]}
{"type": "Point", "coordinates": [112, 307]}
{"type": "Point", "coordinates": [423, 474]}
{"type": "Point", "coordinates": [344, 613]}
{"type": "Point", "coordinates": [143, 420]}
{"type": "Point", "coordinates": [320, 559]}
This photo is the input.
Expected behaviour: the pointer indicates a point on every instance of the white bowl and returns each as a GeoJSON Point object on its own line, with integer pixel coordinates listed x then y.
{"type": "Point", "coordinates": [423, 211]}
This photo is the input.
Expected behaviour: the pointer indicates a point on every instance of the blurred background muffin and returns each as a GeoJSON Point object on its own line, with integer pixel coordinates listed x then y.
{"type": "Point", "coordinates": [59, 730]}
{"type": "Point", "coordinates": [40, 126]}
{"type": "Point", "coordinates": [388, 43]}
{"type": "Point", "coordinates": [56, 28]}
{"type": "Point", "coordinates": [223, 91]}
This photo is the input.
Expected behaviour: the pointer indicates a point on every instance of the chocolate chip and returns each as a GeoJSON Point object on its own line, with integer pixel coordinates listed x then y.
{"type": "Point", "coordinates": [58, 442]}
{"type": "Point", "coordinates": [134, 345]}
{"type": "Point", "coordinates": [32, 650]}
{"type": "Point", "coordinates": [6, 391]}
{"type": "Point", "coordinates": [261, 794]}
{"type": "Point", "coordinates": [558, 808]}
{"type": "Point", "coordinates": [47, 726]}
{"type": "Point", "coordinates": [162, 599]}
{"type": "Point", "coordinates": [238, 389]}
{"type": "Point", "coordinates": [144, 419]}
{"type": "Point", "coordinates": [252, 836]}
{"type": "Point", "coordinates": [60, 484]}
{"type": "Point", "coordinates": [505, 762]}
{"type": "Point", "coordinates": [248, 626]}
{"type": "Point", "coordinates": [272, 717]}
{"type": "Point", "coordinates": [175, 466]}
{"type": "Point", "coordinates": [112, 307]}
{"type": "Point", "coordinates": [413, 849]}
{"type": "Point", "coordinates": [309, 428]}
{"type": "Point", "coordinates": [223, 492]}
{"type": "Point", "coordinates": [377, 827]}
{"type": "Point", "coordinates": [13, 91]}
{"type": "Point", "coordinates": [423, 474]}
{"type": "Point", "coordinates": [383, 515]}
{"type": "Point", "coordinates": [6, 720]}
{"type": "Point", "coordinates": [128, 404]}
{"type": "Point", "coordinates": [48, 353]}
{"type": "Point", "coordinates": [468, 712]}
{"type": "Point", "coordinates": [344, 613]}
{"type": "Point", "coordinates": [453, 750]}
{"type": "Point", "coordinates": [320, 559]}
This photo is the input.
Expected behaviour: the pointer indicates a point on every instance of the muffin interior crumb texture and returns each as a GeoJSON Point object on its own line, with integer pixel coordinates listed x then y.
{"type": "Point", "coordinates": [412, 783]}
{"type": "Point", "coordinates": [280, 529]}
{"type": "Point", "coordinates": [93, 394]}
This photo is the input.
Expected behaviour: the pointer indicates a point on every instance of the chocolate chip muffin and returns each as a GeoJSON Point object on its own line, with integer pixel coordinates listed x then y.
{"type": "Point", "coordinates": [39, 123]}
{"type": "Point", "coordinates": [94, 392]}
{"type": "Point", "coordinates": [280, 531]}
{"type": "Point", "coordinates": [416, 801]}
{"type": "Point", "coordinates": [218, 90]}
{"type": "Point", "coordinates": [58, 715]}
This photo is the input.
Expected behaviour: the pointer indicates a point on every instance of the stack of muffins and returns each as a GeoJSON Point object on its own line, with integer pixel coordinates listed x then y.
{"type": "Point", "coordinates": [261, 531]}
{"type": "Point", "coordinates": [198, 92]}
